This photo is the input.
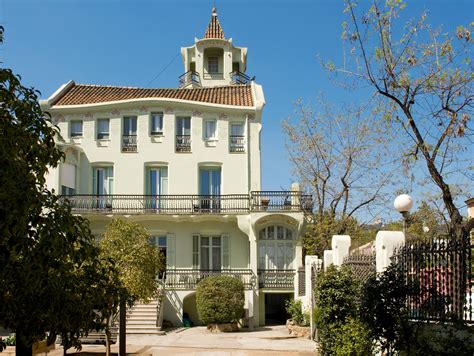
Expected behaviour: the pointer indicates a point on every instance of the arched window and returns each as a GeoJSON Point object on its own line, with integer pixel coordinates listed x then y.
{"type": "Point", "coordinates": [276, 247]}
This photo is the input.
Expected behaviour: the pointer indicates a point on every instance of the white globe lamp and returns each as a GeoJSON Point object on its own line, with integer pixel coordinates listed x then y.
{"type": "Point", "coordinates": [403, 204]}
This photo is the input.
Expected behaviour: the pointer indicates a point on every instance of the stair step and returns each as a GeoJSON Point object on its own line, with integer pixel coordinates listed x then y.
{"type": "Point", "coordinates": [141, 322]}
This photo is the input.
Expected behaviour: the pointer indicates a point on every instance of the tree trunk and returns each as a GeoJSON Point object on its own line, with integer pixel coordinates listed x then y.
{"type": "Point", "coordinates": [123, 328]}
{"type": "Point", "coordinates": [22, 348]}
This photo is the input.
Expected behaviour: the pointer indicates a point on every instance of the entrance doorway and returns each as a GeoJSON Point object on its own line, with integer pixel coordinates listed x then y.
{"type": "Point", "coordinates": [275, 313]}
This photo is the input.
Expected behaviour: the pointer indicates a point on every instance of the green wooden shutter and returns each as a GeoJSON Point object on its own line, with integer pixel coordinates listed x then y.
{"type": "Point", "coordinates": [170, 251]}
{"type": "Point", "coordinates": [94, 180]}
{"type": "Point", "coordinates": [196, 239]}
{"type": "Point", "coordinates": [225, 251]}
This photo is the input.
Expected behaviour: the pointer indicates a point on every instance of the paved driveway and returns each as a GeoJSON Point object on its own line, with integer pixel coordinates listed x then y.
{"type": "Point", "coordinates": [198, 341]}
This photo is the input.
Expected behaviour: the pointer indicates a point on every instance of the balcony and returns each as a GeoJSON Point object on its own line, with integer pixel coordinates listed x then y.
{"type": "Point", "coordinates": [237, 144]}
{"type": "Point", "coordinates": [187, 279]}
{"type": "Point", "coordinates": [129, 143]}
{"type": "Point", "coordinates": [239, 78]}
{"type": "Point", "coordinates": [190, 78]}
{"type": "Point", "coordinates": [276, 279]}
{"type": "Point", "coordinates": [183, 143]}
{"type": "Point", "coordinates": [189, 204]}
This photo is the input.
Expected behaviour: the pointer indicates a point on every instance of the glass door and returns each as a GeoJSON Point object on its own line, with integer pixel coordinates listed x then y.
{"type": "Point", "coordinates": [156, 187]}
{"type": "Point", "coordinates": [210, 188]}
{"type": "Point", "coordinates": [102, 184]}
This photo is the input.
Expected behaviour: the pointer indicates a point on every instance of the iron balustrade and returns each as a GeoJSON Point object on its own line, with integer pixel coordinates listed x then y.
{"type": "Point", "coordinates": [184, 203]}
{"type": "Point", "coordinates": [188, 279]}
{"type": "Point", "coordinates": [129, 143]}
{"type": "Point", "coordinates": [281, 201]}
{"type": "Point", "coordinates": [301, 282]}
{"type": "Point", "coordinates": [183, 143]}
{"type": "Point", "coordinates": [190, 77]}
{"type": "Point", "coordinates": [276, 278]}
{"type": "Point", "coordinates": [239, 78]}
{"type": "Point", "coordinates": [236, 143]}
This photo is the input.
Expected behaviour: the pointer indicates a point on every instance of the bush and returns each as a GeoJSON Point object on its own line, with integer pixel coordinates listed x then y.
{"type": "Point", "coordinates": [294, 308]}
{"type": "Point", "coordinates": [353, 338]}
{"type": "Point", "coordinates": [337, 299]}
{"type": "Point", "coordinates": [220, 299]}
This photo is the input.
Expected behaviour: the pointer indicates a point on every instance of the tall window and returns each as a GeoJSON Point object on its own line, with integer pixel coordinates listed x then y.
{"type": "Point", "coordinates": [129, 138]}
{"type": "Point", "coordinates": [160, 242]}
{"type": "Point", "coordinates": [213, 65]}
{"type": "Point", "coordinates": [237, 137]}
{"type": "Point", "coordinates": [210, 188]}
{"type": "Point", "coordinates": [102, 186]}
{"type": "Point", "coordinates": [156, 124]}
{"type": "Point", "coordinates": [102, 180]}
{"type": "Point", "coordinates": [157, 185]}
{"type": "Point", "coordinates": [276, 248]}
{"type": "Point", "coordinates": [183, 134]}
{"type": "Point", "coordinates": [76, 128]}
{"type": "Point", "coordinates": [102, 129]}
{"type": "Point", "coordinates": [210, 129]}
{"type": "Point", "coordinates": [211, 252]}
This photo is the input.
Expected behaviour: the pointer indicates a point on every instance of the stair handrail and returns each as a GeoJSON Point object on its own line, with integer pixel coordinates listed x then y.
{"type": "Point", "coordinates": [161, 299]}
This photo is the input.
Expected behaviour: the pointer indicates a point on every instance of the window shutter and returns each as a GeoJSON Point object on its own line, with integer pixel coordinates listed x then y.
{"type": "Point", "coordinates": [94, 181]}
{"type": "Point", "coordinates": [196, 251]}
{"type": "Point", "coordinates": [170, 251]}
{"type": "Point", "coordinates": [225, 251]}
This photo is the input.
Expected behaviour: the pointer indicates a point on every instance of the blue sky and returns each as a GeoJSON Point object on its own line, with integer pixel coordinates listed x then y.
{"type": "Point", "coordinates": [49, 42]}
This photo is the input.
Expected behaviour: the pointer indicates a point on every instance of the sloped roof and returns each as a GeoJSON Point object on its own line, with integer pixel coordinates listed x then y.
{"type": "Point", "coordinates": [82, 94]}
{"type": "Point", "coordinates": [214, 30]}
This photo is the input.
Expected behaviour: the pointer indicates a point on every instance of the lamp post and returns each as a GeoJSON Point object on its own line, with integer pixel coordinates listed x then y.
{"type": "Point", "coordinates": [403, 203]}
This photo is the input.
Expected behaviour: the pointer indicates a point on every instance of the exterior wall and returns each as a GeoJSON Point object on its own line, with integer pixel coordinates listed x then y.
{"type": "Point", "coordinates": [183, 168]}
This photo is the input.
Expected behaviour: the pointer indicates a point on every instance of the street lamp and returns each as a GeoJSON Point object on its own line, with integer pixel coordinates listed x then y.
{"type": "Point", "coordinates": [403, 203]}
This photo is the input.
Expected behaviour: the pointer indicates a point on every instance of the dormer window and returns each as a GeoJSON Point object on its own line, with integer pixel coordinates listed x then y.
{"type": "Point", "coordinates": [213, 65]}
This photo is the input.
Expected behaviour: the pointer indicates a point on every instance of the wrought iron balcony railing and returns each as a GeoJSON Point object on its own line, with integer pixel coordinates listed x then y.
{"type": "Point", "coordinates": [239, 78]}
{"type": "Point", "coordinates": [276, 278]}
{"type": "Point", "coordinates": [183, 143]}
{"type": "Point", "coordinates": [188, 203]}
{"type": "Point", "coordinates": [187, 279]}
{"type": "Point", "coordinates": [236, 143]}
{"type": "Point", "coordinates": [189, 78]}
{"type": "Point", "coordinates": [129, 143]}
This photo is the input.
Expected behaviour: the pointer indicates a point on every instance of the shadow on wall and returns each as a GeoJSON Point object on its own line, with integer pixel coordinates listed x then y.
{"type": "Point", "coordinates": [190, 312]}
{"type": "Point", "coordinates": [173, 308]}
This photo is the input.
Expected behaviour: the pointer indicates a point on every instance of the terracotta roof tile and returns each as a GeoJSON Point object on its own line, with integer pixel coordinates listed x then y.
{"type": "Point", "coordinates": [81, 94]}
{"type": "Point", "coordinates": [214, 30]}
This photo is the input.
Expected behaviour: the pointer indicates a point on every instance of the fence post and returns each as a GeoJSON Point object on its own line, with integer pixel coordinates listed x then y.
{"type": "Point", "coordinates": [385, 244]}
{"type": "Point", "coordinates": [310, 263]}
{"type": "Point", "coordinates": [328, 258]}
{"type": "Point", "coordinates": [340, 248]}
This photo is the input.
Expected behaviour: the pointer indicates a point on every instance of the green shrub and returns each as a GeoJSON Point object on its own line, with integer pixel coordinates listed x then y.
{"type": "Point", "coordinates": [353, 339]}
{"type": "Point", "coordinates": [337, 299]}
{"type": "Point", "coordinates": [294, 308]}
{"type": "Point", "coordinates": [220, 299]}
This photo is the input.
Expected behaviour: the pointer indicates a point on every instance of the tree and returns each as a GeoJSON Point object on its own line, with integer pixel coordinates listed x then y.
{"type": "Point", "coordinates": [46, 253]}
{"type": "Point", "coordinates": [423, 79]}
{"type": "Point", "coordinates": [339, 156]}
{"type": "Point", "coordinates": [127, 246]}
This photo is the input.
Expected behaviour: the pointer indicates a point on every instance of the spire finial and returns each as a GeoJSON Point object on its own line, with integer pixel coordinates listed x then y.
{"type": "Point", "coordinates": [214, 10]}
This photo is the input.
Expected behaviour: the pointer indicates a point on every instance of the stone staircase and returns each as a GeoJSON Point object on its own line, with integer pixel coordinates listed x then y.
{"type": "Point", "coordinates": [147, 318]}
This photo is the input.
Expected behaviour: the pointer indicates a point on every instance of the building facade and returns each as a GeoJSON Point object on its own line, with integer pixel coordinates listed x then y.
{"type": "Point", "coordinates": [185, 164]}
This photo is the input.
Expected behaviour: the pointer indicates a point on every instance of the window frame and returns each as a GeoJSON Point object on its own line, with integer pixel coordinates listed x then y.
{"type": "Point", "coordinates": [204, 129]}
{"type": "Point", "coordinates": [153, 115]}
{"type": "Point", "coordinates": [98, 132]}
{"type": "Point", "coordinates": [73, 134]}
{"type": "Point", "coordinates": [213, 65]}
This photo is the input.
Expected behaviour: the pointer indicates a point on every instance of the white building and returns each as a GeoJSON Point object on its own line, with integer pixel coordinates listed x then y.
{"type": "Point", "coordinates": [185, 164]}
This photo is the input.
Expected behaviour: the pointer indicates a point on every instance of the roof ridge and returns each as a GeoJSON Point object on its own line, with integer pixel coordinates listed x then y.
{"type": "Point", "coordinates": [141, 88]}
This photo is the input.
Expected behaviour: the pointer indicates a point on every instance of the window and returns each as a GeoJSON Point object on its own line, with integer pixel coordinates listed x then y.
{"type": "Point", "coordinates": [237, 137]}
{"type": "Point", "coordinates": [156, 185]}
{"type": "Point", "coordinates": [102, 129]}
{"type": "Point", "coordinates": [211, 252]}
{"type": "Point", "coordinates": [210, 188]}
{"type": "Point", "coordinates": [129, 137]}
{"type": "Point", "coordinates": [183, 134]}
{"type": "Point", "coordinates": [67, 190]}
{"type": "Point", "coordinates": [276, 248]}
{"type": "Point", "coordinates": [213, 65]}
{"type": "Point", "coordinates": [160, 242]}
{"type": "Point", "coordinates": [76, 128]}
{"type": "Point", "coordinates": [210, 129]}
{"type": "Point", "coordinates": [102, 187]}
{"type": "Point", "coordinates": [156, 124]}
{"type": "Point", "coordinates": [102, 180]}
